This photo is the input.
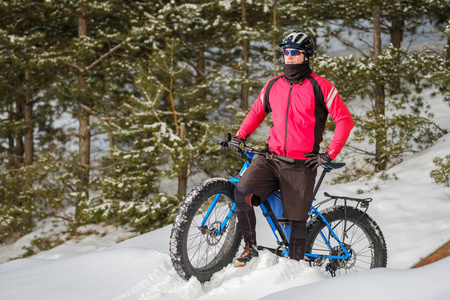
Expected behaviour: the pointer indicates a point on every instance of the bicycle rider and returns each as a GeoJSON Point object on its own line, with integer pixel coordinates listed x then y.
{"type": "Point", "coordinates": [298, 125]}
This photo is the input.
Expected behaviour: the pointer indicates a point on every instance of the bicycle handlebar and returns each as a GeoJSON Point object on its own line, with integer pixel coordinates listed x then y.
{"type": "Point", "coordinates": [225, 144]}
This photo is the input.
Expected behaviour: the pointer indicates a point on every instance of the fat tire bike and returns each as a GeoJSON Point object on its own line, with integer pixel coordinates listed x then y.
{"type": "Point", "coordinates": [205, 237]}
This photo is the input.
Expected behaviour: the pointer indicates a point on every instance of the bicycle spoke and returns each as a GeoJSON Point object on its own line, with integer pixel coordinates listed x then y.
{"type": "Point", "coordinates": [193, 237]}
{"type": "Point", "coordinates": [348, 230]}
{"type": "Point", "coordinates": [360, 238]}
{"type": "Point", "coordinates": [197, 251]}
{"type": "Point", "coordinates": [204, 246]}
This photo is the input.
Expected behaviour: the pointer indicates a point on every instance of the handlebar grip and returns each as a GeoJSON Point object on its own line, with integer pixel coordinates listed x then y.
{"type": "Point", "coordinates": [284, 158]}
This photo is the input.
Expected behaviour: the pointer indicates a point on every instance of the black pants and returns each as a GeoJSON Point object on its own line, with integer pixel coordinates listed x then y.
{"type": "Point", "coordinates": [296, 184]}
{"type": "Point", "coordinates": [295, 181]}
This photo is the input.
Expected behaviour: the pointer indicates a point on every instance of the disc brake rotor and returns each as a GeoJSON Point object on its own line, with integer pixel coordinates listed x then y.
{"type": "Point", "coordinates": [212, 238]}
{"type": "Point", "coordinates": [343, 263]}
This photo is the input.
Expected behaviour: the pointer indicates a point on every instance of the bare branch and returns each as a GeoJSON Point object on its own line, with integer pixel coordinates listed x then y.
{"type": "Point", "coordinates": [110, 52]}
{"type": "Point", "coordinates": [82, 71]}
{"type": "Point", "coordinates": [78, 69]}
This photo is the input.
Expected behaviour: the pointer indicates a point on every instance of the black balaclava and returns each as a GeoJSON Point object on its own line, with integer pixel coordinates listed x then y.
{"type": "Point", "coordinates": [296, 73]}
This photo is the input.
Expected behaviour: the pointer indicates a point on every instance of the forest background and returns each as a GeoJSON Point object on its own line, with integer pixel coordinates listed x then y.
{"type": "Point", "coordinates": [103, 100]}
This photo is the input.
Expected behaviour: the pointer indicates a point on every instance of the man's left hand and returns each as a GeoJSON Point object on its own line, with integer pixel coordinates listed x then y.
{"type": "Point", "coordinates": [316, 160]}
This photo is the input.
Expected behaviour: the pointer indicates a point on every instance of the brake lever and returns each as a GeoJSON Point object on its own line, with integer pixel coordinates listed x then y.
{"type": "Point", "coordinates": [218, 141]}
{"type": "Point", "coordinates": [224, 144]}
{"type": "Point", "coordinates": [271, 156]}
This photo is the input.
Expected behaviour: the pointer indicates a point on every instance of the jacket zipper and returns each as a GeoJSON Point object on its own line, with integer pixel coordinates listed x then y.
{"type": "Point", "coordinates": [287, 114]}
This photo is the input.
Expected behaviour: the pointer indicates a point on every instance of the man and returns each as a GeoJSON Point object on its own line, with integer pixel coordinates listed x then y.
{"type": "Point", "coordinates": [299, 101]}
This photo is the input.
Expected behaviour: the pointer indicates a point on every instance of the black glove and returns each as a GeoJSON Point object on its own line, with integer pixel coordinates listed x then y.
{"type": "Point", "coordinates": [317, 160]}
{"type": "Point", "coordinates": [237, 144]}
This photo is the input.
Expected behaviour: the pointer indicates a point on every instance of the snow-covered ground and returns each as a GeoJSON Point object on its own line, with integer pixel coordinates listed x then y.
{"type": "Point", "coordinates": [412, 211]}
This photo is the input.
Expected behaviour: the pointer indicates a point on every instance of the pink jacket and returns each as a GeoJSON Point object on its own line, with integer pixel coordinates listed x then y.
{"type": "Point", "coordinates": [297, 123]}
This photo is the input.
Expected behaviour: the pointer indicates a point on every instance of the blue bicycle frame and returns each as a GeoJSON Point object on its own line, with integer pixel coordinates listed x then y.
{"type": "Point", "coordinates": [281, 234]}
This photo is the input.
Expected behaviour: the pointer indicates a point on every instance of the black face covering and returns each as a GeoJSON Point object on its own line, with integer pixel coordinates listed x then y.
{"type": "Point", "coordinates": [295, 73]}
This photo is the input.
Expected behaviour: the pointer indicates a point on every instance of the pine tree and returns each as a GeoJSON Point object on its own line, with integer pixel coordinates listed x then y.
{"type": "Point", "coordinates": [379, 111]}
{"type": "Point", "coordinates": [167, 102]}
{"type": "Point", "coordinates": [49, 69]}
{"type": "Point", "coordinates": [439, 12]}
{"type": "Point", "coordinates": [25, 75]}
{"type": "Point", "coordinates": [102, 55]}
{"type": "Point", "coordinates": [407, 124]}
{"type": "Point", "coordinates": [136, 74]}
{"type": "Point", "coordinates": [395, 125]}
{"type": "Point", "coordinates": [441, 174]}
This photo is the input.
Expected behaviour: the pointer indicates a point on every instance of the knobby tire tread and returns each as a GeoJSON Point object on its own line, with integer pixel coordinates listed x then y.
{"type": "Point", "coordinates": [366, 223]}
{"type": "Point", "coordinates": [188, 210]}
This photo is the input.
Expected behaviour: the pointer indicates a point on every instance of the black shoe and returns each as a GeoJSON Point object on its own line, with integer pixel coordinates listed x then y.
{"type": "Point", "coordinates": [249, 252]}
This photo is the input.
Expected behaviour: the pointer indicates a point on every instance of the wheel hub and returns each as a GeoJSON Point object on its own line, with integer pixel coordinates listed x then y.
{"type": "Point", "coordinates": [210, 232]}
{"type": "Point", "coordinates": [343, 263]}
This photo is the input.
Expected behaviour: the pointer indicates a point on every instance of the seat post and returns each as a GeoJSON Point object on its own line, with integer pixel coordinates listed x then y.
{"type": "Point", "coordinates": [319, 182]}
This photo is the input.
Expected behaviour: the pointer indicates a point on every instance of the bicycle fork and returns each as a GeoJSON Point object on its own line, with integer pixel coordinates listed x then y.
{"type": "Point", "coordinates": [223, 225]}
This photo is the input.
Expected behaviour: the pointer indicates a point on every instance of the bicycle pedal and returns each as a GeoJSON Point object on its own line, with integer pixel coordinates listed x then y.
{"type": "Point", "coordinates": [277, 251]}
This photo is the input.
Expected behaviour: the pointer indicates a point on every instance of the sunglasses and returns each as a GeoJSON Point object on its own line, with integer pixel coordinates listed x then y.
{"type": "Point", "coordinates": [293, 52]}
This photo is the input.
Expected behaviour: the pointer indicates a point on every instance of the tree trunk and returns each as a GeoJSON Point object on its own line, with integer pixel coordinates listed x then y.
{"type": "Point", "coordinates": [29, 143]}
{"type": "Point", "coordinates": [380, 137]}
{"type": "Point", "coordinates": [274, 42]}
{"type": "Point", "coordinates": [84, 147]}
{"type": "Point", "coordinates": [448, 48]}
{"type": "Point", "coordinates": [19, 150]}
{"type": "Point", "coordinates": [376, 31]}
{"type": "Point", "coordinates": [11, 148]}
{"type": "Point", "coordinates": [245, 45]}
{"type": "Point", "coordinates": [201, 71]}
{"type": "Point", "coordinates": [183, 175]}
{"type": "Point", "coordinates": [396, 31]}
{"type": "Point", "coordinates": [84, 150]}
{"type": "Point", "coordinates": [182, 183]}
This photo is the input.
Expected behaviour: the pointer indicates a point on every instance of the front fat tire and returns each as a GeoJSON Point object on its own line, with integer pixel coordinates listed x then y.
{"type": "Point", "coordinates": [365, 239]}
{"type": "Point", "coordinates": [193, 252]}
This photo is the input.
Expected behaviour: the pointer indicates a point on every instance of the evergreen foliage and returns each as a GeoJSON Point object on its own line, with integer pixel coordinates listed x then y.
{"type": "Point", "coordinates": [152, 82]}
{"type": "Point", "coordinates": [29, 194]}
{"type": "Point", "coordinates": [407, 122]}
{"type": "Point", "coordinates": [442, 173]}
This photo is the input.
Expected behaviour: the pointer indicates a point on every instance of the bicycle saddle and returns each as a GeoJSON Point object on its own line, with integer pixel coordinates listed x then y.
{"type": "Point", "coordinates": [333, 165]}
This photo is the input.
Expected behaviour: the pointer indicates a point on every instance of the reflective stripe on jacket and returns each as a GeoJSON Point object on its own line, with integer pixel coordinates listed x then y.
{"type": "Point", "coordinates": [298, 121]}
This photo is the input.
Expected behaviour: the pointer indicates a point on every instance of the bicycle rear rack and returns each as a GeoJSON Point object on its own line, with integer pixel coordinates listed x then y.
{"type": "Point", "coordinates": [360, 202]}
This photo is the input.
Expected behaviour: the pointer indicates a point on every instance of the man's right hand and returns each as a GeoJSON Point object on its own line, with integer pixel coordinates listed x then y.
{"type": "Point", "coordinates": [237, 144]}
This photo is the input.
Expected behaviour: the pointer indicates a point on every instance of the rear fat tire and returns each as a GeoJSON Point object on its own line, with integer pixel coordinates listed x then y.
{"type": "Point", "coordinates": [193, 251]}
{"type": "Point", "coordinates": [365, 239]}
